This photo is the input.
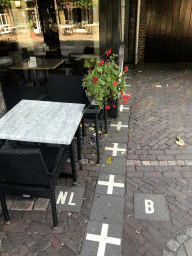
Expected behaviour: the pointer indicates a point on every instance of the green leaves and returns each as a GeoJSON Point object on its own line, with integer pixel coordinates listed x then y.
{"type": "Point", "coordinates": [5, 4]}
{"type": "Point", "coordinates": [110, 83]}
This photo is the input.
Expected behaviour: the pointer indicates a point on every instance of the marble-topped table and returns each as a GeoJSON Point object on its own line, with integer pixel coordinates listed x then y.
{"type": "Point", "coordinates": [42, 121]}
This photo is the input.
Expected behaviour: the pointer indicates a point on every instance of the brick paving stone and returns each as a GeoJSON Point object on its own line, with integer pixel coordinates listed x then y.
{"type": "Point", "coordinates": [73, 246]}
{"type": "Point", "coordinates": [15, 227]}
{"type": "Point", "coordinates": [172, 174]}
{"type": "Point", "coordinates": [129, 250]}
{"type": "Point", "coordinates": [14, 238]}
{"type": "Point", "coordinates": [7, 245]}
{"type": "Point", "coordinates": [67, 251]}
{"type": "Point", "coordinates": [186, 174]}
{"type": "Point", "coordinates": [50, 251]}
{"type": "Point", "coordinates": [41, 253]}
{"type": "Point", "coordinates": [132, 157]}
{"type": "Point", "coordinates": [165, 157]}
{"type": "Point", "coordinates": [183, 157]}
{"type": "Point", "coordinates": [176, 192]}
{"type": "Point", "coordinates": [41, 204]}
{"type": "Point", "coordinates": [34, 215]}
{"type": "Point", "coordinates": [71, 233]}
{"type": "Point", "coordinates": [39, 227]}
{"type": "Point", "coordinates": [152, 249]}
{"type": "Point", "coordinates": [147, 157]}
{"type": "Point", "coordinates": [27, 239]}
{"type": "Point", "coordinates": [134, 174]}
{"type": "Point", "coordinates": [144, 168]}
{"type": "Point", "coordinates": [22, 205]}
{"type": "Point", "coordinates": [23, 250]}
{"type": "Point", "coordinates": [156, 152]}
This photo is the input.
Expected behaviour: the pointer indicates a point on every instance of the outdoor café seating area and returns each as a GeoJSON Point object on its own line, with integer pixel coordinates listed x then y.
{"type": "Point", "coordinates": [44, 128]}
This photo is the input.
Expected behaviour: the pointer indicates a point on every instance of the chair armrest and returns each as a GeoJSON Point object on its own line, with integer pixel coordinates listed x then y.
{"type": "Point", "coordinates": [91, 110]}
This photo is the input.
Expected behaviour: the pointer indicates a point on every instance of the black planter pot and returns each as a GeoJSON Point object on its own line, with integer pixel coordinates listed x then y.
{"type": "Point", "coordinates": [113, 112]}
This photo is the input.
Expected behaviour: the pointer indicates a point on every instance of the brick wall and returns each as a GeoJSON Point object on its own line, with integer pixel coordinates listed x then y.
{"type": "Point", "coordinates": [132, 31]}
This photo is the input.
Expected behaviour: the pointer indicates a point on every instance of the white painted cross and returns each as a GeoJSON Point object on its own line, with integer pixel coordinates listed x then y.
{"type": "Point", "coordinates": [115, 149]}
{"type": "Point", "coordinates": [122, 108]}
{"type": "Point", "coordinates": [110, 184]}
{"type": "Point", "coordinates": [103, 239]}
{"type": "Point", "coordinates": [119, 125]}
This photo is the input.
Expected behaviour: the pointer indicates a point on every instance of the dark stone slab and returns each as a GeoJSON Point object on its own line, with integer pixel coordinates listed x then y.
{"type": "Point", "coordinates": [109, 246]}
{"type": "Point", "coordinates": [119, 137]}
{"type": "Point", "coordinates": [117, 166]}
{"type": "Point", "coordinates": [71, 198]}
{"type": "Point", "coordinates": [108, 209]}
{"type": "Point", "coordinates": [153, 209]}
{"type": "Point", "coordinates": [110, 187]}
{"type": "Point", "coordinates": [112, 153]}
{"type": "Point", "coordinates": [123, 117]}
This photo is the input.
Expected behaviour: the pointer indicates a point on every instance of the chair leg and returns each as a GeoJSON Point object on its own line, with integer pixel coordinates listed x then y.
{"type": "Point", "coordinates": [4, 209]}
{"type": "Point", "coordinates": [97, 138]}
{"type": "Point", "coordinates": [79, 143]}
{"type": "Point", "coordinates": [53, 208]}
{"type": "Point", "coordinates": [83, 126]}
{"type": "Point", "coordinates": [72, 156]}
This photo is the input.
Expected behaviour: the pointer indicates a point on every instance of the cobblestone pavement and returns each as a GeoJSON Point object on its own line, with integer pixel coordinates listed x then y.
{"type": "Point", "coordinates": [31, 233]}
{"type": "Point", "coordinates": [158, 212]}
{"type": "Point", "coordinates": [141, 203]}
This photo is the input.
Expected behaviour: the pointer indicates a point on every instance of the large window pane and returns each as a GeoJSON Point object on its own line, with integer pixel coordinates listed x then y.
{"type": "Point", "coordinates": [75, 25]}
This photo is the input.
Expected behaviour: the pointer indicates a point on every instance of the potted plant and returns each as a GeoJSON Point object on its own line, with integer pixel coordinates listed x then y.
{"type": "Point", "coordinates": [105, 83]}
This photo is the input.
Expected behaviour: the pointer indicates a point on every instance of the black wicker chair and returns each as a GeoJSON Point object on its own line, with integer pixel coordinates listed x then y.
{"type": "Point", "coordinates": [69, 89]}
{"type": "Point", "coordinates": [33, 171]}
{"type": "Point", "coordinates": [13, 95]}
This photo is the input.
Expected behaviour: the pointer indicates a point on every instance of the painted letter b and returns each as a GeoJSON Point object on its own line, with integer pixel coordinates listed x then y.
{"type": "Point", "coordinates": [149, 206]}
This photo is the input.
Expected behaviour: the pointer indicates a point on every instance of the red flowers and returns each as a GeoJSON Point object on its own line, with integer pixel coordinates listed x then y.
{"type": "Point", "coordinates": [101, 62]}
{"type": "Point", "coordinates": [126, 68]}
{"type": "Point", "coordinates": [107, 107]}
{"type": "Point", "coordinates": [114, 106]}
{"type": "Point", "coordinates": [115, 83]}
{"type": "Point", "coordinates": [95, 79]}
{"type": "Point", "coordinates": [108, 51]}
{"type": "Point", "coordinates": [125, 97]}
